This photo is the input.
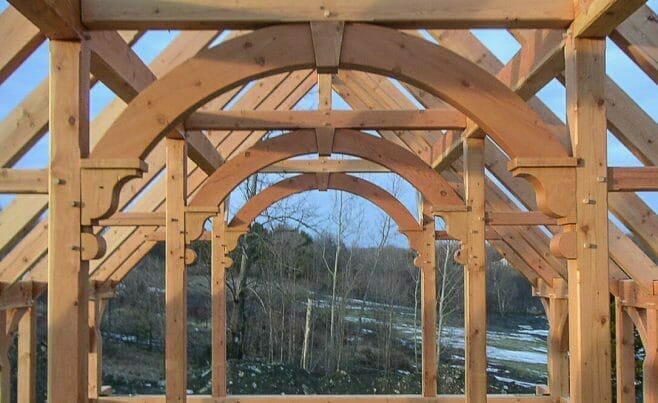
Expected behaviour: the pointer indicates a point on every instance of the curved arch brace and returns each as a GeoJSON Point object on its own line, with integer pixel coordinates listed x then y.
{"type": "Point", "coordinates": [433, 187]}
{"type": "Point", "coordinates": [306, 182]}
{"type": "Point", "coordinates": [479, 95]}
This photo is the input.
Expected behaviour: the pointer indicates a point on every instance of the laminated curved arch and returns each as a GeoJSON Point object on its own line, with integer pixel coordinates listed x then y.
{"type": "Point", "coordinates": [307, 182]}
{"type": "Point", "coordinates": [163, 105]}
{"type": "Point", "coordinates": [434, 188]}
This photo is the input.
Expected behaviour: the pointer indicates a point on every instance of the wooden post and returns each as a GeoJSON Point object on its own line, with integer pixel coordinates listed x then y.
{"type": "Point", "coordinates": [650, 367]}
{"type": "Point", "coordinates": [475, 282]}
{"type": "Point", "coordinates": [558, 351]}
{"type": "Point", "coordinates": [5, 366]}
{"type": "Point", "coordinates": [324, 92]}
{"type": "Point", "coordinates": [427, 266]}
{"type": "Point", "coordinates": [68, 274]}
{"type": "Point", "coordinates": [625, 351]}
{"type": "Point", "coordinates": [96, 310]}
{"type": "Point", "coordinates": [589, 301]}
{"type": "Point", "coordinates": [27, 357]}
{"type": "Point", "coordinates": [218, 304]}
{"type": "Point", "coordinates": [176, 273]}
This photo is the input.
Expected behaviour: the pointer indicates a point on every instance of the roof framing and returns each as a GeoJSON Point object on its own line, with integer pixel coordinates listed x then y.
{"type": "Point", "coordinates": [539, 61]}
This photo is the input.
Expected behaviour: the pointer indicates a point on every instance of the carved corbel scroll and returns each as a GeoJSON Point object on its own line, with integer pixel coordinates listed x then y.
{"type": "Point", "coordinates": [229, 241]}
{"type": "Point", "coordinates": [93, 246]}
{"type": "Point", "coordinates": [422, 242]}
{"type": "Point", "coordinates": [190, 256]}
{"type": "Point", "coordinates": [455, 220]}
{"type": "Point", "coordinates": [101, 182]}
{"type": "Point", "coordinates": [554, 182]}
{"type": "Point", "coordinates": [327, 42]}
{"type": "Point", "coordinates": [461, 254]}
{"type": "Point", "coordinates": [564, 244]}
{"type": "Point", "coordinates": [195, 219]}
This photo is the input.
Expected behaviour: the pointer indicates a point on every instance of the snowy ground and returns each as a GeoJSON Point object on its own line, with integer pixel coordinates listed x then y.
{"type": "Point", "coordinates": [516, 352]}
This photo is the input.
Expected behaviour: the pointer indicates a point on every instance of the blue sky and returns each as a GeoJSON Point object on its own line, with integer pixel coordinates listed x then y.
{"type": "Point", "coordinates": [622, 70]}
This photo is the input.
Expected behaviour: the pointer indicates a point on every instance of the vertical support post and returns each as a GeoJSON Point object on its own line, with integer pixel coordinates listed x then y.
{"type": "Point", "coordinates": [5, 366]}
{"type": "Point", "coordinates": [68, 274]}
{"type": "Point", "coordinates": [27, 357]}
{"type": "Point", "coordinates": [176, 273]}
{"type": "Point", "coordinates": [650, 367]}
{"type": "Point", "coordinates": [324, 92]}
{"type": "Point", "coordinates": [96, 310]}
{"type": "Point", "coordinates": [426, 262]}
{"type": "Point", "coordinates": [558, 351]}
{"type": "Point", "coordinates": [218, 306]}
{"type": "Point", "coordinates": [625, 352]}
{"type": "Point", "coordinates": [589, 301]}
{"type": "Point", "coordinates": [475, 282]}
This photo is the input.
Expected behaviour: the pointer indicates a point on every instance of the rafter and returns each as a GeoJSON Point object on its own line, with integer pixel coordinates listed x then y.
{"type": "Point", "coordinates": [25, 38]}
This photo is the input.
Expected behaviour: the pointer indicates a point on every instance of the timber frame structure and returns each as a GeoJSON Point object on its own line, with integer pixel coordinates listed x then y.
{"type": "Point", "coordinates": [107, 206]}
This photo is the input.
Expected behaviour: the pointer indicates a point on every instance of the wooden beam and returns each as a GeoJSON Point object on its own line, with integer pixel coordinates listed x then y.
{"type": "Point", "coordinates": [24, 125]}
{"type": "Point", "coordinates": [426, 263]}
{"type": "Point", "coordinates": [496, 218]}
{"type": "Point", "coordinates": [68, 333]}
{"type": "Point", "coordinates": [490, 235]}
{"type": "Point", "coordinates": [97, 307]}
{"type": "Point", "coordinates": [447, 150]}
{"type": "Point", "coordinates": [199, 14]}
{"type": "Point", "coordinates": [625, 355]}
{"type": "Point", "coordinates": [599, 17]}
{"type": "Point", "coordinates": [218, 306]}
{"type": "Point", "coordinates": [326, 165]}
{"type": "Point", "coordinates": [589, 303]}
{"type": "Point", "coordinates": [328, 399]}
{"type": "Point", "coordinates": [118, 66]}
{"type": "Point", "coordinates": [5, 364]}
{"type": "Point", "coordinates": [57, 19]}
{"type": "Point", "coordinates": [130, 219]}
{"type": "Point", "coordinates": [638, 38]}
{"type": "Point", "coordinates": [203, 152]}
{"type": "Point", "coordinates": [24, 37]}
{"type": "Point", "coordinates": [26, 378]}
{"type": "Point", "coordinates": [175, 272]}
{"type": "Point", "coordinates": [558, 346]}
{"type": "Point", "coordinates": [429, 119]}
{"type": "Point", "coordinates": [643, 179]}
{"type": "Point", "coordinates": [650, 365]}
{"type": "Point", "coordinates": [24, 181]}
{"type": "Point", "coordinates": [475, 282]}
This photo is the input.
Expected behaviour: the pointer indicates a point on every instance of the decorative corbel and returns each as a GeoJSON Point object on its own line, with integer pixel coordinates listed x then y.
{"type": "Point", "coordinates": [422, 242]}
{"type": "Point", "coordinates": [327, 43]}
{"type": "Point", "coordinates": [190, 256]}
{"type": "Point", "coordinates": [461, 255]}
{"type": "Point", "coordinates": [195, 219]}
{"type": "Point", "coordinates": [229, 241]}
{"type": "Point", "coordinates": [93, 246]}
{"type": "Point", "coordinates": [554, 182]}
{"type": "Point", "coordinates": [454, 218]}
{"type": "Point", "coordinates": [101, 183]}
{"type": "Point", "coordinates": [455, 222]}
{"type": "Point", "coordinates": [564, 244]}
